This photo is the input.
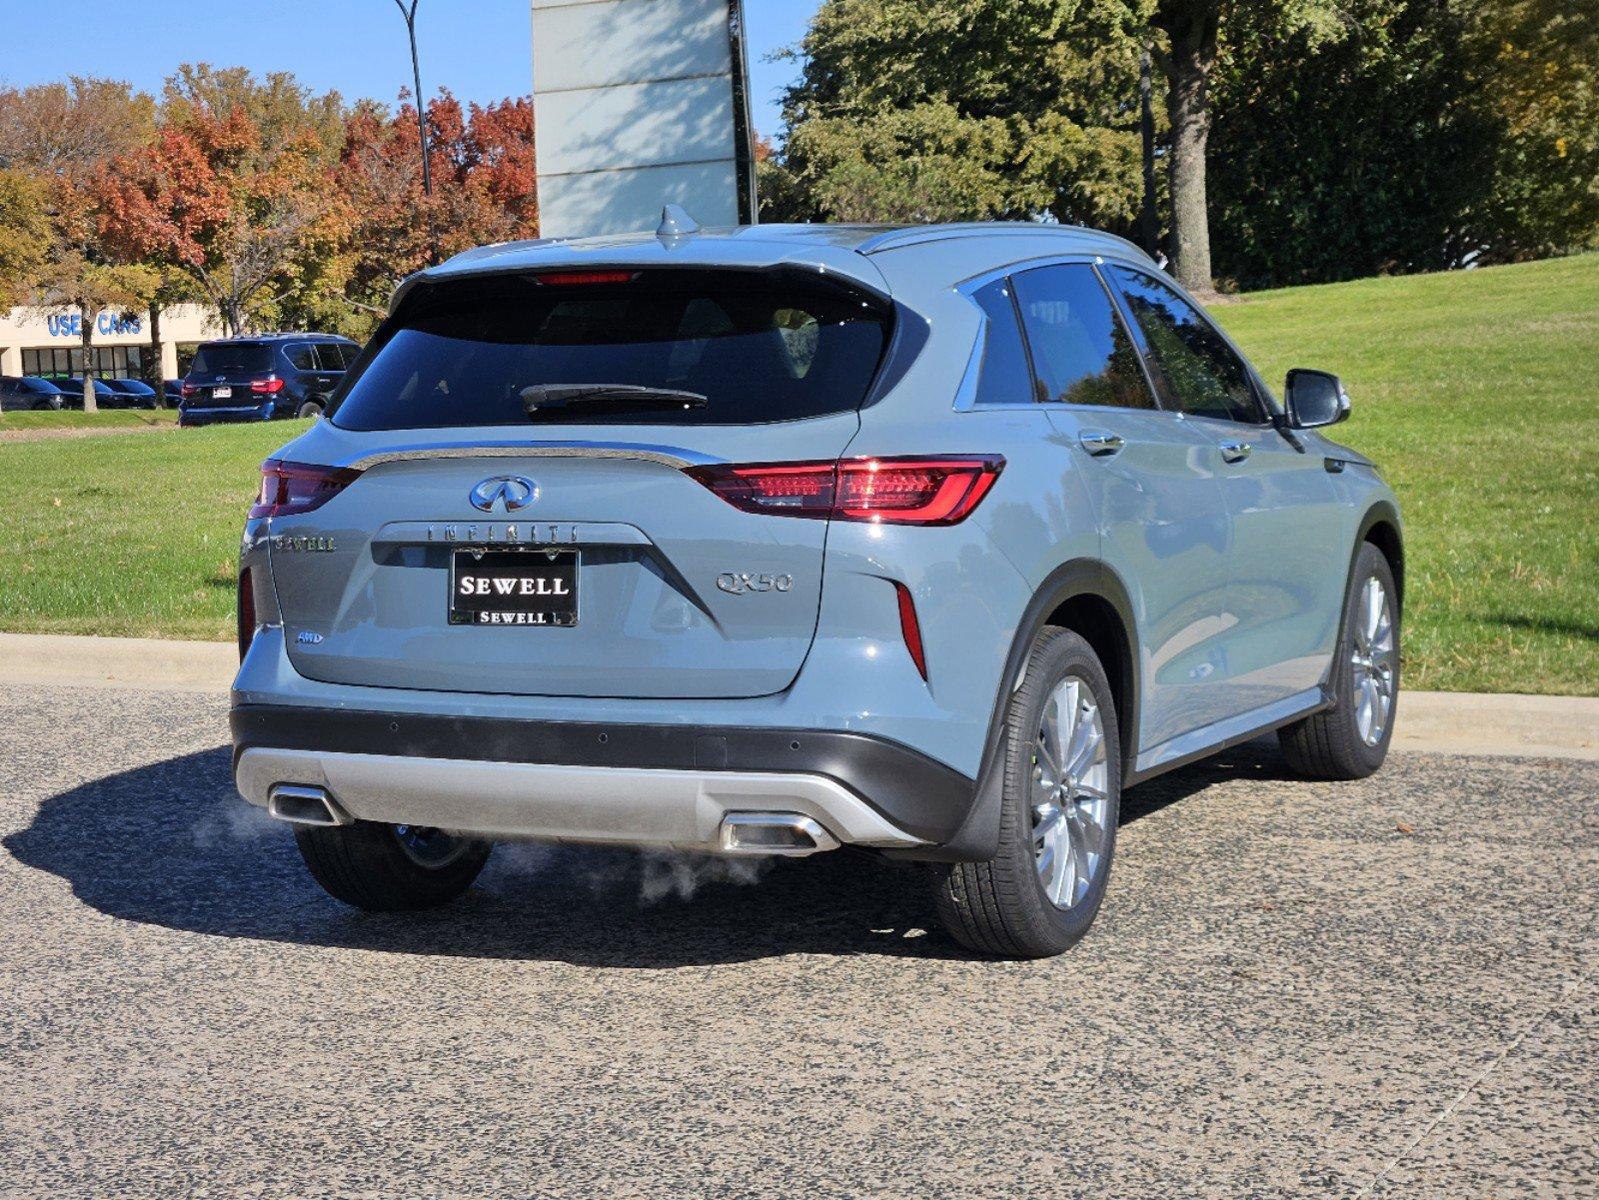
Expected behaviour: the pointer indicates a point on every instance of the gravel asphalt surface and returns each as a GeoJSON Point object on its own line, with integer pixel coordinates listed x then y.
{"type": "Point", "coordinates": [1296, 989]}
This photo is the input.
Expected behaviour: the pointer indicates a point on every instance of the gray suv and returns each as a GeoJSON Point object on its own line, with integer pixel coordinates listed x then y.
{"type": "Point", "coordinates": [766, 541]}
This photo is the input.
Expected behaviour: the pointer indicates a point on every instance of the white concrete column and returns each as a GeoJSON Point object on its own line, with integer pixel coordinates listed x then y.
{"type": "Point", "coordinates": [10, 360]}
{"type": "Point", "coordinates": [169, 359]}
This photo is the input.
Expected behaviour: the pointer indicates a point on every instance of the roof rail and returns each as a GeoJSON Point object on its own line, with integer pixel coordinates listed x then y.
{"type": "Point", "coordinates": [915, 235]}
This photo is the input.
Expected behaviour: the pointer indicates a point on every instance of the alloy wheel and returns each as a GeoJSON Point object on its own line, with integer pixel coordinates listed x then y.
{"type": "Point", "coordinates": [429, 847]}
{"type": "Point", "coordinates": [1373, 660]}
{"type": "Point", "coordinates": [1070, 798]}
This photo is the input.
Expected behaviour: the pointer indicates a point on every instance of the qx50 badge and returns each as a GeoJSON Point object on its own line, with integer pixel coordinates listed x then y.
{"type": "Point", "coordinates": [739, 583]}
{"type": "Point", "coordinates": [510, 492]}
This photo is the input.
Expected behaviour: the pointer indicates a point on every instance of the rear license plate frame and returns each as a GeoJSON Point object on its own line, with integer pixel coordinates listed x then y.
{"type": "Point", "coordinates": [557, 610]}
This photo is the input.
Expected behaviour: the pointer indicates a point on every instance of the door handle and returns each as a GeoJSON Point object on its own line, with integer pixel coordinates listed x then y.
{"type": "Point", "coordinates": [1100, 443]}
{"type": "Point", "coordinates": [1234, 452]}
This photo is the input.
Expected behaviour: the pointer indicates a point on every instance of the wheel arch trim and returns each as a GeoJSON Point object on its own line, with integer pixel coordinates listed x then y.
{"type": "Point", "coordinates": [978, 837]}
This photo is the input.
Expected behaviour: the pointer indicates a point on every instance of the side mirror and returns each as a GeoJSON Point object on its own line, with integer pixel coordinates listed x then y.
{"type": "Point", "coordinates": [1314, 399]}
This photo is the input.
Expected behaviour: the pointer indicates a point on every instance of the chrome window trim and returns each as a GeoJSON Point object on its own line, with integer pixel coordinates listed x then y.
{"type": "Point", "coordinates": [665, 455]}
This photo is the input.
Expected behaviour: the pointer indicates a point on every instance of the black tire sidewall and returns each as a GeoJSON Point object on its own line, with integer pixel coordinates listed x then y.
{"type": "Point", "coordinates": [1369, 563]}
{"type": "Point", "coordinates": [1057, 654]}
{"type": "Point", "coordinates": [364, 865]}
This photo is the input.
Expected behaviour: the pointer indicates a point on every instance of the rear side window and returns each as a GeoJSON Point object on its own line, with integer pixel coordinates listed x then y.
{"type": "Point", "coordinates": [300, 357]}
{"type": "Point", "coordinates": [759, 346]}
{"type": "Point", "coordinates": [1206, 378]}
{"type": "Point", "coordinates": [1003, 377]}
{"type": "Point", "coordinates": [232, 358]}
{"type": "Point", "coordinates": [328, 356]}
{"type": "Point", "coordinates": [1081, 353]}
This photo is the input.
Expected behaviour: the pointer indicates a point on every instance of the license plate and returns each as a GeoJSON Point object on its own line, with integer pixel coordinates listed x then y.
{"type": "Point", "coordinates": [513, 587]}
{"type": "Point", "coordinates": [221, 393]}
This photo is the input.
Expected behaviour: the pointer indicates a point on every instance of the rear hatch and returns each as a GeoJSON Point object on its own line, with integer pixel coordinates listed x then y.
{"type": "Point", "coordinates": [222, 372]}
{"type": "Point", "coordinates": [512, 530]}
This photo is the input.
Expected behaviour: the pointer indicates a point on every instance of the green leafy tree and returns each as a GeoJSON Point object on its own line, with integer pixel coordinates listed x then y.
{"type": "Point", "coordinates": [1537, 66]}
{"type": "Point", "coordinates": [913, 110]}
{"type": "Point", "coordinates": [24, 230]}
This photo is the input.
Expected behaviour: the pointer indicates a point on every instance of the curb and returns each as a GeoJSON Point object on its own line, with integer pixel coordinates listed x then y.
{"type": "Point", "coordinates": [153, 664]}
{"type": "Point", "coordinates": [1467, 723]}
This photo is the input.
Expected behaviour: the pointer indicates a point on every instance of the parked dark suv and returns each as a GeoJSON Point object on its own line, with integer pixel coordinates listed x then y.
{"type": "Point", "coordinates": [28, 392]}
{"type": "Point", "coordinates": [259, 378]}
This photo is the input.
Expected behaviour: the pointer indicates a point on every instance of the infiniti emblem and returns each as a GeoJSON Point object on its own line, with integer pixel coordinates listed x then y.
{"type": "Point", "coordinates": [511, 492]}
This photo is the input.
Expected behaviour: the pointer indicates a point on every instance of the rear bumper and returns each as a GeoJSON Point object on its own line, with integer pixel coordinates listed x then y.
{"type": "Point", "coordinates": [584, 781]}
{"type": "Point", "coordinates": [216, 416]}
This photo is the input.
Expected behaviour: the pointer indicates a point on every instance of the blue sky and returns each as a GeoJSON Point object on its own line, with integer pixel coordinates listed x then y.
{"type": "Point", "coordinates": [479, 49]}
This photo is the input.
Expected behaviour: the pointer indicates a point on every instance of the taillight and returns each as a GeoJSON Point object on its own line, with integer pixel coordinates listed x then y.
{"type": "Point", "coordinates": [188, 389]}
{"type": "Point", "coordinates": [895, 491]}
{"type": "Point", "coordinates": [246, 612]}
{"type": "Point", "coordinates": [289, 488]}
{"type": "Point", "coordinates": [269, 385]}
{"type": "Point", "coordinates": [910, 628]}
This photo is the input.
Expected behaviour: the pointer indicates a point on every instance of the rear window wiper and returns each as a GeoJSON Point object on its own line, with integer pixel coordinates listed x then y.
{"type": "Point", "coordinates": [553, 397]}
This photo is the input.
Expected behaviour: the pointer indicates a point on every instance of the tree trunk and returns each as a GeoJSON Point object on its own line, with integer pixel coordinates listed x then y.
{"type": "Point", "coordinates": [153, 375]}
{"type": "Point", "coordinates": [1193, 54]}
{"type": "Point", "coordinates": [86, 341]}
{"type": "Point", "coordinates": [1149, 219]}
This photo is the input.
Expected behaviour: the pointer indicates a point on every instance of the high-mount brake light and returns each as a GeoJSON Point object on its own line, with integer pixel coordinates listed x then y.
{"type": "Point", "coordinates": [577, 278]}
{"type": "Point", "coordinates": [268, 385]}
{"type": "Point", "coordinates": [289, 488]}
{"type": "Point", "coordinates": [890, 491]}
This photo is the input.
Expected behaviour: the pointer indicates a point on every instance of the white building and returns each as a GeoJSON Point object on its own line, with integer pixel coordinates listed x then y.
{"type": "Point", "coordinates": [46, 341]}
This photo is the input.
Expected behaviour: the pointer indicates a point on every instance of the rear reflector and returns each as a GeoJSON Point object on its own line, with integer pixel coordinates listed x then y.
{"type": "Point", "coordinates": [246, 612]}
{"type": "Point", "coordinates": [289, 488]}
{"type": "Point", "coordinates": [910, 627]}
{"type": "Point", "coordinates": [895, 491]}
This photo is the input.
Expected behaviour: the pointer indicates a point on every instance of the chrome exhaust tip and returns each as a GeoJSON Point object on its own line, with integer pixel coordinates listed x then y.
{"type": "Point", "coordinates": [789, 834]}
{"type": "Point", "coordinates": [300, 805]}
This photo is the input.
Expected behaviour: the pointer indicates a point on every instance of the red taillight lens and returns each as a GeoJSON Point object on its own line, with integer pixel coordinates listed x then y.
{"type": "Point", "coordinates": [188, 389]}
{"type": "Point", "coordinates": [288, 488]}
{"type": "Point", "coordinates": [897, 491]}
{"type": "Point", "coordinates": [571, 278]}
{"type": "Point", "coordinates": [910, 628]}
{"type": "Point", "coordinates": [246, 612]}
{"type": "Point", "coordinates": [268, 385]}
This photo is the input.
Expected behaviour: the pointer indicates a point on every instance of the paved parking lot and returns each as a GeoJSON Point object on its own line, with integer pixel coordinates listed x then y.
{"type": "Point", "coordinates": [1382, 989]}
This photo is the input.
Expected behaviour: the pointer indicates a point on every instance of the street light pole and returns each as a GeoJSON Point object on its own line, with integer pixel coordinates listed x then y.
{"type": "Point", "coordinates": [416, 76]}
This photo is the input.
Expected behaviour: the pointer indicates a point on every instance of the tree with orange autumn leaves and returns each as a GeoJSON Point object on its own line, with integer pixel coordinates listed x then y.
{"type": "Point", "coordinates": [276, 207]}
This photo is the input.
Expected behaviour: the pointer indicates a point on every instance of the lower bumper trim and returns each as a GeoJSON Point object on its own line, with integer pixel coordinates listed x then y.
{"type": "Point", "coordinates": [627, 806]}
{"type": "Point", "coordinates": [911, 792]}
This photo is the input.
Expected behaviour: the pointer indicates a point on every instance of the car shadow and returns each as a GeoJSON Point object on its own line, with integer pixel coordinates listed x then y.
{"type": "Point", "coordinates": [171, 844]}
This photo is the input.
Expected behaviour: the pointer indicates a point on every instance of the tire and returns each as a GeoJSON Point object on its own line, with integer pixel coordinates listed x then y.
{"type": "Point", "coordinates": [1341, 742]}
{"type": "Point", "coordinates": [311, 408]}
{"type": "Point", "coordinates": [389, 868]}
{"type": "Point", "coordinates": [1001, 907]}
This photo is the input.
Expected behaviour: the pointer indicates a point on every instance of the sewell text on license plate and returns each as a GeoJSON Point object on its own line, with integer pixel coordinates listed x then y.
{"type": "Point", "coordinates": [513, 587]}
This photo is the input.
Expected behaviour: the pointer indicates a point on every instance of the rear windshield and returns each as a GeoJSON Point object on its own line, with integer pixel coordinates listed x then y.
{"type": "Point", "coordinates": [231, 358]}
{"type": "Point", "coordinates": [758, 346]}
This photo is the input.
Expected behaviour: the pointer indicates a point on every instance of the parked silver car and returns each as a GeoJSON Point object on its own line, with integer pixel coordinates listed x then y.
{"type": "Point", "coordinates": [776, 539]}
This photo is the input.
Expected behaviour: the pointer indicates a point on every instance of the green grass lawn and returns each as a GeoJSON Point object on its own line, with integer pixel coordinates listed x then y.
{"type": "Point", "coordinates": [107, 418]}
{"type": "Point", "coordinates": [128, 536]}
{"type": "Point", "coordinates": [1476, 392]}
